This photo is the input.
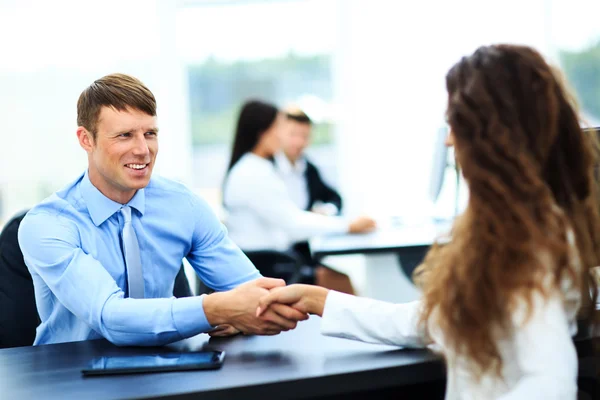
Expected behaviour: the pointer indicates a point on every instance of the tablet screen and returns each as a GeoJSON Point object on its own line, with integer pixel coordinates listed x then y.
{"type": "Point", "coordinates": [155, 362]}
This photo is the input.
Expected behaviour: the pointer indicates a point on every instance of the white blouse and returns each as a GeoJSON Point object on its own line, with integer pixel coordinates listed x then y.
{"type": "Point", "coordinates": [260, 213]}
{"type": "Point", "coordinates": [539, 358]}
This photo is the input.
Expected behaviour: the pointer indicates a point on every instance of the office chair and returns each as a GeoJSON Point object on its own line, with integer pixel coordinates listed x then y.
{"type": "Point", "coordinates": [410, 258]}
{"type": "Point", "coordinates": [182, 288]}
{"type": "Point", "coordinates": [18, 314]}
{"type": "Point", "coordinates": [277, 264]}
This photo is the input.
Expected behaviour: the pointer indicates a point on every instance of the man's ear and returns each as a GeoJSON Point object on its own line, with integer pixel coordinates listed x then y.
{"type": "Point", "coordinates": [86, 141]}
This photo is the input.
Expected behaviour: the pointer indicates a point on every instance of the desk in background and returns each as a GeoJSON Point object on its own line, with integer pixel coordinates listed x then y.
{"type": "Point", "coordinates": [383, 249]}
{"type": "Point", "coordinates": [298, 364]}
{"type": "Point", "coordinates": [388, 239]}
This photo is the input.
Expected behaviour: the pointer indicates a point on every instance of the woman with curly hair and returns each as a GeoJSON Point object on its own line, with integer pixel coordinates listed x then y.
{"type": "Point", "coordinates": [502, 298]}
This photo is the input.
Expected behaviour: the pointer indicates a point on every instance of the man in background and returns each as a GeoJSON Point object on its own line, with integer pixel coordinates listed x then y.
{"type": "Point", "coordinates": [308, 190]}
{"type": "Point", "coordinates": [302, 178]}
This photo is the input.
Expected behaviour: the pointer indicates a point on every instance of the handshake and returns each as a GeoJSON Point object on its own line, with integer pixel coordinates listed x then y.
{"type": "Point", "coordinates": [264, 306]}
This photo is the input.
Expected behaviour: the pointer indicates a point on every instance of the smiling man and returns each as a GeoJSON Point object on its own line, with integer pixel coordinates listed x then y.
{"type": "Point", "coordinates": [104, 251]}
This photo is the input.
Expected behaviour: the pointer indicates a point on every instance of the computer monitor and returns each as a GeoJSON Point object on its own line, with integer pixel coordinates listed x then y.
{"type": "Point", "coordinates": [595, 131]}
{"type": "Point", "coordinates": [440, 162]}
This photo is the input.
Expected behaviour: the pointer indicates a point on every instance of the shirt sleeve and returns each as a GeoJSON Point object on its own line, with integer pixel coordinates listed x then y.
{"type": "Point", "coordinates": [265, 194]}
{"type": "Point", "coordinates": [545, 353]}
{"type": "Point", "coordinates": [218, 261]}
{"type": "Point", "coordinates": [372, 321]}
{"type": "Point", "coordinates": [51, 248]}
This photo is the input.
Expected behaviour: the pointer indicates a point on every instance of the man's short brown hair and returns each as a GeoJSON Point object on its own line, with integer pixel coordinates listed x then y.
{"type": "Point", "coordinates": [118, 91]}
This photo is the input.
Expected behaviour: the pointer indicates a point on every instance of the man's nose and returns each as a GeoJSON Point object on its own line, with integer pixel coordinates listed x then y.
{"type": "Point", "coordinates": [141, 145]}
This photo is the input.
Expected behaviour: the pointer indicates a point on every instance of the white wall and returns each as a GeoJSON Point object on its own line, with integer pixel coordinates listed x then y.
{"type": "Point", "coordinates": [389, 74]}
{"type": "Point", "coordinates": [390, 62]}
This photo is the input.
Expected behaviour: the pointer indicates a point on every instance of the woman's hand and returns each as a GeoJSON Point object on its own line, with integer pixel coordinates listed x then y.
{"type": "Point", "coordinates": [304, 298]}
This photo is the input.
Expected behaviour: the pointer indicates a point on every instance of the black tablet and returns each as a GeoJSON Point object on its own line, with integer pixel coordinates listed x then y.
{"type": "Point", "coordinates": [161, 362]}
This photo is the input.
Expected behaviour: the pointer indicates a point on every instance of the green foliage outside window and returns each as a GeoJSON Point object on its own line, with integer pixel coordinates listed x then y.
{"type": "Point", "coordinates": [218, 89]}
{"type": "Point", "coordinates": [582, 69]}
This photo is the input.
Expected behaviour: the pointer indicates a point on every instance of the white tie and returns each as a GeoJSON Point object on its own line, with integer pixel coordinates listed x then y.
{"type": "Point", "coordinates": [131, 251]}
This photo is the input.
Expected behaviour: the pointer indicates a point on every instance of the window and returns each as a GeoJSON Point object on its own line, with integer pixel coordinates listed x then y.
{"type": "Point", "coordinates": [576, 38]}
{"type": "Point", "coordinates": [45, 66]}
{"type": "Point", "coordinates": [276, 51]}
{"type": "Point", "coordinates": [369, 73]}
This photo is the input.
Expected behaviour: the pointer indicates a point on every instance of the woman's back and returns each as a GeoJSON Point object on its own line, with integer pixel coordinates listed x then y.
{"type": "Point", "coordinates": [250, 188]}
{"type": "Point", "coordinates": [261, 214]}
{"type": "Point", "coordinates": [502, 297]}
{"type": "Point", "coordinates": [538, 356]}
{"type": "Point", "coordinates": [539, 360]}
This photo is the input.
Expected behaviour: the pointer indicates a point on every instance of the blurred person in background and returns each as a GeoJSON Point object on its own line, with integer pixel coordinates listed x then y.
{"type": "Point", "coordinates": [502, 299]}
{"type": "Point", "coordinates": [303, 181]}
{"type": "Point", "coordinates": [301, 177]}
{"type": "Point", "coordinates": [261, 213]}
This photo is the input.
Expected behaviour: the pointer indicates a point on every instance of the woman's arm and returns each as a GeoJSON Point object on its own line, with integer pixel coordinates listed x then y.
{"type": "Point", "coordinates": [373, 321]}
{"type": "Point", "coordinates": [352, 317]}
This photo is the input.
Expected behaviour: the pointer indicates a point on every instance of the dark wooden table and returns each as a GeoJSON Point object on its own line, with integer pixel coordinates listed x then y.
{"type": "Point", "coordinates": [297, 364]}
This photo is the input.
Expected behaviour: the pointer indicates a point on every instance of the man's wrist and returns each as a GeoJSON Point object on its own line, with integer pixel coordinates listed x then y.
{"type": "Point", "coordinates": [212, 304]}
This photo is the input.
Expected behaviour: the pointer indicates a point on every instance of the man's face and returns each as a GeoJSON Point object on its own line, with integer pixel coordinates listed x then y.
{"type": "Point", "coordinates": [122, 156]}
{"type": "Point", "coordinates": [296, 139]}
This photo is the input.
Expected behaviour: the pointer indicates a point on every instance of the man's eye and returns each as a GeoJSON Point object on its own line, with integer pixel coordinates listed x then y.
{"type": "Point", "coordinates": [127, 134]}
{"type": "Point", "coordinates": [151, 133]}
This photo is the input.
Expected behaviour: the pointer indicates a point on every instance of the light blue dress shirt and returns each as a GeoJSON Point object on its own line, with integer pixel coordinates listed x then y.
{"type": "Point", "coordinates": [72, 247]}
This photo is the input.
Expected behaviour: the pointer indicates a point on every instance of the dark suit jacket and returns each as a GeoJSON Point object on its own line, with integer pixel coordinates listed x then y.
{"type": "Point", "coordinates": [319, 190]}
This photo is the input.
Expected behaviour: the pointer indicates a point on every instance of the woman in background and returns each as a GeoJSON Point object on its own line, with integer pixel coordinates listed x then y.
{"type": "Point", "coordinates": [261, 213]}
{"type": "Point", "coordinates": [501, 299]}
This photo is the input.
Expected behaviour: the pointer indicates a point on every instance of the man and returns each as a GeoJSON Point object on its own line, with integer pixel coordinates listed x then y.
{"type": "Point", "coordinates": [302, 177]}
{"type": "Point", "coordinates": [104, 251]}
{"type": "Point", "coordinates": [308, 191]}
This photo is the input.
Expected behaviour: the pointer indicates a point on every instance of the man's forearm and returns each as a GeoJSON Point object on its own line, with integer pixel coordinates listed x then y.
{"type": "Point", "coordinates": [152, 322]}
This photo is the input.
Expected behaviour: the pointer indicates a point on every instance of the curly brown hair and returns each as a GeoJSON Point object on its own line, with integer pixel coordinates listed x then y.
{"type": "Point", "coordinates": [529, 169]}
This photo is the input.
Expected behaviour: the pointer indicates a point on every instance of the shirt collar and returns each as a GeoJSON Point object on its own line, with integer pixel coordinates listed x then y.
{"type": "Point", "coordinates": [285, 165]}
{"type": "Point", "coordinates": [101, 207]}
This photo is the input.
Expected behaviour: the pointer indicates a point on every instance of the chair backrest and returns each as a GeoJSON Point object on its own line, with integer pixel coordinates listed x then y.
{"type": "Point", "coordinates": [410, 258]}
{"type": "Point", "coordinates": [18, 313]}
{"type": "Point", "coordinates": [276, 264]}
{"type": "Point", "coordinates": [182, 285]}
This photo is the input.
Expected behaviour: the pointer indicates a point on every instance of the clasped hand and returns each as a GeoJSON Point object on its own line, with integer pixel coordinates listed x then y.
{"type": "Point", "coordinates": [237, 310]}
{"type": "Point", "coordinates": [307, 299]}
